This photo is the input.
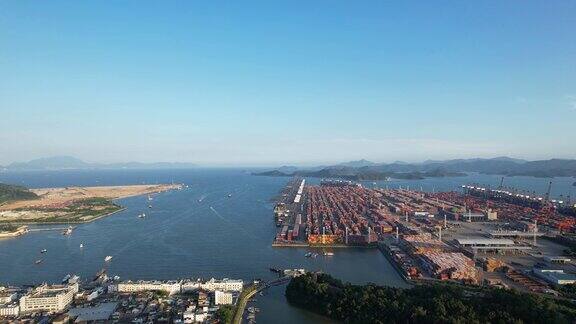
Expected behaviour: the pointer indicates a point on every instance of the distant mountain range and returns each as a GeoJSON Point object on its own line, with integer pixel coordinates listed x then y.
{"type": "Point", "coordinates": [366, 170]}
{"type": "Point", "coordinates": [71, 163]}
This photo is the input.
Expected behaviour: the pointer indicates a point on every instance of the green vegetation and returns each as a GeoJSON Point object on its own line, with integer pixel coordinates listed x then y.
{"type": "Point", "coordinates": [568, 291]}
{"type": "Point", "coordinates": [79, 211]}
{"type": "Point", "coordinates": [8, 228]}
{"type": "Point", "coordinates": [11, 193]}
{"type": "Point", "coordinates": [225, 314]}
{"type": "Point", "coordinates": [436, 303]}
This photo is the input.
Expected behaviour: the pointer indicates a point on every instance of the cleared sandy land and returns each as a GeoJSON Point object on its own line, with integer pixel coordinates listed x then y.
{"type": "Point", "coordinates": [73, 204]}
{"type": "Point", "coordinates": [58, 197]}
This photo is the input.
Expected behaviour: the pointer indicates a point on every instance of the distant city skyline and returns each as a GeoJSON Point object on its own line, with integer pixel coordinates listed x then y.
{"type": "Point", "coordinates": [293, 83]}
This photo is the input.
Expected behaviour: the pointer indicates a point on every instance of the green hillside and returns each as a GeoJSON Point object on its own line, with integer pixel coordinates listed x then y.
{"type": "Point", "coordinates": [11, 192]}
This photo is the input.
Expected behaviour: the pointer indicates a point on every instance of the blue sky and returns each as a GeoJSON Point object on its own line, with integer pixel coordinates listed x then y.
{"type": "Point", "coordinates": [287, 82]}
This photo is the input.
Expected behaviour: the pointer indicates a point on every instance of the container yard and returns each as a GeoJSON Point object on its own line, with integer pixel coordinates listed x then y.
{"type": "Point", "coordinates": [463, 237]}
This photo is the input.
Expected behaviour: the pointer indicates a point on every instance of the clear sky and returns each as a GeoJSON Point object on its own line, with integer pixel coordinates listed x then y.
{"type": "Point", "coordinates": [285, 82]}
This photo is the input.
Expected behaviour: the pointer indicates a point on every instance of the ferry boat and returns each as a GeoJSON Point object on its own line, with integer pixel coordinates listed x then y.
{"type": "Point", "coordinates": [43, 251]}
{"type": "Point", "coordinates": [107, 258]}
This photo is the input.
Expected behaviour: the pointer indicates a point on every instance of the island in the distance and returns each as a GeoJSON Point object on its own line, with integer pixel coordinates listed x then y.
{"type": "Point", "coordinates": [69, 205]}
{"type": "Point", "coordinates": [359, 174]}
{"type": "Point", "coordinates": [367, 170]}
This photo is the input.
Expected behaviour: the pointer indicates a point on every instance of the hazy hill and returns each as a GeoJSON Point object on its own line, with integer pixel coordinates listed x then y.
{"type": "Point", "coordinates": [366, 170]}
{"type": "Point", "coordinates": [68, 162]}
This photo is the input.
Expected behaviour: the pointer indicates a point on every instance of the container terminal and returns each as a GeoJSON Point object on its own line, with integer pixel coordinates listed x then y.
{"type": "Point", "coordinates": [473, 236]}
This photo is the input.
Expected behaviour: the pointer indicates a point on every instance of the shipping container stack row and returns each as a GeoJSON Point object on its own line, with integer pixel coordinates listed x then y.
{"type": "Point", "coordinates": [341, 213]}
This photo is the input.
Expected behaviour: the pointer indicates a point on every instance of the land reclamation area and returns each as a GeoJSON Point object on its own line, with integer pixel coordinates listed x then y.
{"type": "Point", "coordinates": [72, 204]}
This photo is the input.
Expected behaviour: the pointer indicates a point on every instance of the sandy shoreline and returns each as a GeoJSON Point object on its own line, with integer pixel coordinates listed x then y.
{"type": "Point", "coordinates": [72, 205]}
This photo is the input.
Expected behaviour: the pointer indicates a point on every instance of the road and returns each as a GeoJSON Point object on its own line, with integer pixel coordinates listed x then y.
{"type": "Point", "coordinates": [250, 292]}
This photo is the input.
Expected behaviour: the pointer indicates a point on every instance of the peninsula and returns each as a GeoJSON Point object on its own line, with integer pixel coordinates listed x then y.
{"type": "Point", "coordinates": [72, 204]}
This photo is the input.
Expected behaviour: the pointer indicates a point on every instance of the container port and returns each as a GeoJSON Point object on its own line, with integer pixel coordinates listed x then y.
{"type": "Point", "coordinates": [475, 236]}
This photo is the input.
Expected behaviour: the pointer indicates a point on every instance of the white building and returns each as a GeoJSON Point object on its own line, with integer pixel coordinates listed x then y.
{"type": "Point", "coordinates": [170, 287]}
{"type": "Point", "coordinates": [223, 285]}
{"type": "Point", "coordinates": [12, 309]}
{"type": "Point", "coordinates": [189, 285]}
{"type": "Point", "coordinates": [48, 298]}
{"type": "Point", "coordinates": [7, 295]}
{"type": "Point", "coordinates": [222, 298]}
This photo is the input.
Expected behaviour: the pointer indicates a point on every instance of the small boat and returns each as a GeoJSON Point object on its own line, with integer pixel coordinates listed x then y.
{"type": "Point", "coordinates": [229, 195]}
{"type": "Point", "coordinates": [149, 198]}
{"type": "Point", "coordinates": [142, 215]}
{"type": "Point", "coordinates": [81, 245]}
{"type": "Point", "coordinates": [66, 278]}
{"type": "Point", "coordinates": [328, 254]}
{"type": "Point", "coordinates": [43, 251]}
{"type": "Point", "coordinates": [308, 255]}
{"type": "Point", "coordinates": [38, 261]}
{"type": "Point", "coordinates": [116, 278]}
{"type": "Point", "coordinates": [107, 258]}
{"type": "Point", "coordinates": [149, 206]}
{"type": "Point", "coordinates": [68, 231]}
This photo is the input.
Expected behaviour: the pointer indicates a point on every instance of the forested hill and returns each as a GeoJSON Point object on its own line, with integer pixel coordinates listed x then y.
{"type": "Point", "coordinates": [11, 192]}
{"type": "Point", "coordinates": [438, 303]}
{"type": "Point", "coordinates": [366, 170]}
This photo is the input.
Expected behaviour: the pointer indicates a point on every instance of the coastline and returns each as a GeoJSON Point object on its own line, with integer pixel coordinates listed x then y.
{"type": "Point", "coordinates": [66, 223]}
{"type": "Point", "coordinates": [321, 246]}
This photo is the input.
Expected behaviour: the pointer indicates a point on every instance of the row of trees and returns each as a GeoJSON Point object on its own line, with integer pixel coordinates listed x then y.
{"type": "Point", "coordinates": [436, 303]}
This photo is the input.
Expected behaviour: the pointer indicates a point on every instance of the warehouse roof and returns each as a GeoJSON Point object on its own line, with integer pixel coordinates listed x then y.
{"type": "Point", "coordinates": [484, 241]}
{"type": "Point", "coordinates": [101, 312]}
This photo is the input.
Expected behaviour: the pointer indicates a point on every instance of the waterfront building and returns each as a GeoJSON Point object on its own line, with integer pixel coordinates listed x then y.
{"type": "Point", "coordinates": [48, 298]}
{"type": "Point", "coordinates": [190, 285]}
{"type": "Point", "coordinates": [171, 287]}
{"type": "Point", "coordinates": [10, 309]}
{"type": "Point", "coordinates": [7, 295]}
{"type": "Point", "coordinates": [222, 298]}
{"type": "Point", "coordinates": [223, 285]}
{"type": "Point", "coordinates": [8, 304]}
